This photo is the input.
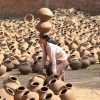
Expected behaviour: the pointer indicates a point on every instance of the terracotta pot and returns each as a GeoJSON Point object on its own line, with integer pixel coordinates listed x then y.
{"type": "Point", "coordinates": [75, 64]}
{"type": "Point", "coordinates": [15, 61]}
{"type": "Point", "coordinates": [85, 62]}
{"type": "Point", "coordinates": [36, 67]}
{"type": "Point", "coordinates": [30, 96]}
{"type": "Point", "coordinates": [99, 56]}
{"type": "Point", "coordinates": [25, 68]}
{"type": "Point", "coordinates": [43, 92]}
{"type": "Point", "coordinates": [45, 14]}
{"type": "Point", "coordinates": [29, 17]}
{"type": "Point", "coordinates": [52, 97]}
{"type": "Point", "coordinates": [12, 82]}
{"type": "Point", "coordinates": [51, 77]}
{"type": "Point", "coordinates": [72, 57]}
{"type": "Point", "coordinates": [43, 27]}
{"type": "Point", "coordinates": [19, 92]}
{"type": "Point", "coordinates": [39, 78]}
{"type": "Point", "coordinates": [76, 53]}
{"type": "Point", "coordinates": [92, 58]}
{"type": "Point", "coordinates": [55, 85]}
{"type": "Point", "coordinates": [67, 94]}
{"type": "Point", "coordinates": [34, 86]}
{"type": "Point", "coordinates": [73, 46]}
{"type": "Point", "coordinates": [8, 94]}
{"type": "Point", "coordinates": [9, 65]}
{"type": "Point", "coordinates": [2, 69]}
{"type": "Point", "coordinates": [84, 53]}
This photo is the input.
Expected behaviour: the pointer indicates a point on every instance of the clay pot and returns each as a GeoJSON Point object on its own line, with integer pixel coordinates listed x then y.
{"type": "Point", "coordinates": [84, 53]}
{"type": "Point", "coordinates": [12, 82]}
{"type": "Point", "coordinates": [75, 64]}
{"type": "Point", "coordinates": [19, 92]}
{"type": "Point", "coordinates": [25, 68]}
{"type": "Point", "coordinates": [92, 58]}
{"type": "Point", "coordinates": [2, 69]}
{"type": "Point", "coordinates": [76, 53]}
{"type": "Point", "coordinates": [15, 61]}
{"type": "Point", "coordinates": [9, 65]}
{"type": "Point", "coordinates": [52, 97]}
{"type": "Point", "coordinates": [43, 27]}
{"type": "Point", "coordinates": [55, 85]}
{"type": "Point", "coordinates": [99, 56]}
{"type": "Point", "coordinates": [71, 57]}
{"type": "Point", "coordinates": [43, 92]}
{"type": "Point", "coordinates": [51, 77]}
{"type": "Point", "coordinates": [39, 78]}
{"type": "Point", "coordinates": [33, 86]}
{"type": "Point", "coordinates": [45, 14]}
{"type": "Point", "coordinates": [93, 41]}
{"type": "Point", "coordinates": [29, 17]}
{"type": "Point", "coordinates": [67, 94]}
{"type": "Point", "coordinates": [85, 62]}
{"type": "Point", "coordinates": [7, 94]}
{"type": "Point", "coordinates": [73, 46]}
{"type": "Point", "coordinates": [36, 67]}
{"type": "Point", "coordinates": [30, 96]}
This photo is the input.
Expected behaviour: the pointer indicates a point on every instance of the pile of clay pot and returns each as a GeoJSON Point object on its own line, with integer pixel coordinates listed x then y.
{"type": "Point", "coordinates": [39, 87]}
{"type": "Point", "coordinates": [75, 31]}
{"type": "Point", "coordinates": [79, 35]}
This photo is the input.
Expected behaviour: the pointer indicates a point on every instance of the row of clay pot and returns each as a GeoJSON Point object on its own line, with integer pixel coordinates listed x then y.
{"type": "Point", "coordinates": [54, 89]}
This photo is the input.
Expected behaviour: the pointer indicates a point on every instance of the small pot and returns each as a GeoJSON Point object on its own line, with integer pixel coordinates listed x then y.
{"type": "Point", "coordinates": [30, 96]}
{"type": "Point", "coordinates": [12, 82]}
{"type": "Point", "coordinates": [19, 92]}
{"type": "Point", "coordinates": [2, 69]}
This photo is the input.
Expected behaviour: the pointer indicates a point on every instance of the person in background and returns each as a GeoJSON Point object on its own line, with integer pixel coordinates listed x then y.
{"type": "Point", "coordinates": [58, 57]}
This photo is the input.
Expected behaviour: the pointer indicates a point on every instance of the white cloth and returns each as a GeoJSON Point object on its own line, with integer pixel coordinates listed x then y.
{"type": "Point", "coordinates": [55, 53]}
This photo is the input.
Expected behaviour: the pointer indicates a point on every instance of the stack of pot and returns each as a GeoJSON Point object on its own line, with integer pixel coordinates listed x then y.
{"type": "Point", "coordinates": [44, 15]}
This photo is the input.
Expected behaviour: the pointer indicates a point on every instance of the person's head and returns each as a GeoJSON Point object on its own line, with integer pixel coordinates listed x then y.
{"type": "Point", "coordinates": [45, 38]}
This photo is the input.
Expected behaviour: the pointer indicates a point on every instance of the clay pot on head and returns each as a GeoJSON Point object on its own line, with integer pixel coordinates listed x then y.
{"type": "Point", "coordinates": [30, 96]}
{"type": "Point", "coordinates": [9, 65]}
{"type": "Point", "coordinates": [55, 85]}
{"type": "Point", "coordinates": [12, 82]}
{"type": "Point", "coordinates": [44, 91]}
{"type": "Point", "coordinates": [52, 97]}
{"type": "Point", "coordinates": [2, 69]}
{"type": "Point", "coordinates": [75, 64]}
{"type": "Point", "coordinates": [7, 94]}
{"type": "Point", "coordinates": [33, 86]}
{"type": "Point", "coordinates": [19, 92]}
{"type": "Point", "coordinates": [25, 68]}
{"type": "Point", "coordinates": [43, 27]}
{"type": "Point", "coordinates": [85, 62]}
{"type": "Point", "coordinates": [45, 14]}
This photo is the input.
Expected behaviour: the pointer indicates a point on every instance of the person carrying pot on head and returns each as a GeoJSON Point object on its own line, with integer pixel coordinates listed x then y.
{"type": "Point", "coordinates": [58, 57]}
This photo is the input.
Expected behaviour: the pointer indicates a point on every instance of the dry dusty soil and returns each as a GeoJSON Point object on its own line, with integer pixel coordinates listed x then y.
{"type": "Point", "coordinates": [86, 81]}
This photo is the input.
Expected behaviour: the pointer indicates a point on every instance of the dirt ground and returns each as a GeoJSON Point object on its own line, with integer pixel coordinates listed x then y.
{"type": "Point", "coordinates": [86, 81]}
